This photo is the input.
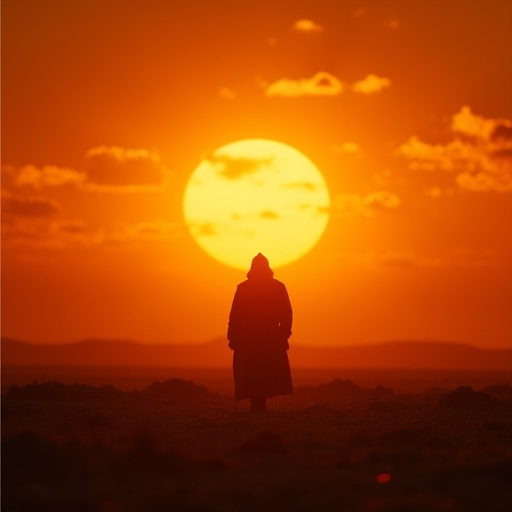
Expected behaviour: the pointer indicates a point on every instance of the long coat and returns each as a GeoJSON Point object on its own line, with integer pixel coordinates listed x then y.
{"type": "Point", "coordinates": [260, 324]}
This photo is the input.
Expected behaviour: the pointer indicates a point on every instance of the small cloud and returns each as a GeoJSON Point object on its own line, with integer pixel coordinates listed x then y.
{"type": "Point", "coordinates": [107, 169]}
{"type": "Point", "coordinates": [30, 233]}
{"type": "Point", "coordinates": [321, 84]}
{"type": "Point", "coordinates": [44, 233]}
{"type": "Point", "coordinates": [46, 176]}
{"type": "Point", "coordinates": [227, 93]}
{"type": "Point", "coordinates": [306, 185]}
{"type": "Point", "coordinates": [63, 233]}
{"type": "Point", "coordinates": [205, 229]}
{"type": "Point", "coordinates": [471, 125]}
{"type": "Point", "coordinates": [70, 227]}
{"type": "Point", "coordinates": [371, 84]}
{"type": "Point", "coordinates": [154, 230]}
{"type": "Point", "coordinates": [269, 215]}
{"type": "Point", "coordinates": [28, 206]}
{"type": "Point", "coordinates": [391, 24]}
{"type": "Point", "coordinates": [409, 260]}
{"type": "Point", "coordinates": [116, 169]}
{"type": "Point", "coordinates": [354, 205]}
{"type": "Point", "coordinates": [484, 182]}
{"type": "Point", "coordinates": [69, 232]}
{"type": "Point", "coordinates": [235, 168]}
{"type": "Point", "coordinates": [346, 147]}
{"type": "Point", "coordinates": [307, 26]}
{"type": "Point", "coordinates": [382, 200]}
{"type": "Point", "coordinates": [397, 260]}
{"type": "Point", "coordinates": [158, 230]}
{"type": "Point", "coordinates": [436, 192]}
{"type": "Point", "coordinates": [480, 153]}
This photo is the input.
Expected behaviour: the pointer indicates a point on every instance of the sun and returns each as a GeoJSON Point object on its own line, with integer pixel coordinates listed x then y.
{"type": "Point", "coordinates": [255, 196]}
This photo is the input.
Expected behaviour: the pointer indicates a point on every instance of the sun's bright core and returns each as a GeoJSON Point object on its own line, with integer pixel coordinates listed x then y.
{"type": "Point", "coordinates": [256, 196]}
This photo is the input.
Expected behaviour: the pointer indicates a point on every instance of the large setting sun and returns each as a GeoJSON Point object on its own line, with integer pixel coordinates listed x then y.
{"type": "Point", "coordinates": [256, 196]}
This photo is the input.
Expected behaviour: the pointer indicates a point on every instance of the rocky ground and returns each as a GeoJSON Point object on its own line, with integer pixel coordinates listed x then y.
{"type": "Point", "coordinates": [176, 446]}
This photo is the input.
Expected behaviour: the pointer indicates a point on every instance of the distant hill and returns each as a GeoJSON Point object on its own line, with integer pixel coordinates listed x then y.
{"type": "Point", "coordinates": [388, 355]}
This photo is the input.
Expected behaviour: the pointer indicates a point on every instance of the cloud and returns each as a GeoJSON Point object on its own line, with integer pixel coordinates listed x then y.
{"type": "Point", "coordinates": [28, 206]}
{"type": "Point", "coordinates": [235, 168]}
{"type": "Point", "coordinates": [307, 26]}
{"type": "Point", "coordinates": [107, 169]}
{"type": "Point", "coordinates": [371, 84]}
{"type": "Point", "coordinates": [408, 261]}
{"type": "Point", "coordinates": [46, 176]}
{"type": "Point", "coordinates": [268, 215]}
{"type": "Point", "coordinates": [436, 192]}
{"type": "Point", "coordinates": [153, 230]}
{"type": "Point", "coordinates": [346, 147]}
{"type": "Point", "coordinates": [321, 84]}
{"type": "Point", "coordinates": [205, 229]}
{"type": "Point", "coordinates": [354, 205]}
{"type": "Point", "coordinates": [324, 84]}
{"type": "Point", "coordinates": [62, 233]}
{"type": "Point", "coordinates": [116, 169]}
{"type": "Point", "coordinates": [382, 200]}
{"type": "Point", "coordinates": [473, 126]}
{"type": "Point", "coordinates": [411, 261]}
{"type": "Point", "coordinates": [32, 233]}
{"type": "Point", "coordinates": [391, 24]}
{"type": "Point", "coordinates": [480, 153]}
{"type": "Point", "coordinates": [122, 232]}
{"type": "Point", "coordinates": [305, 185]}
{"type": "Point", "coordinates": [227, 93]}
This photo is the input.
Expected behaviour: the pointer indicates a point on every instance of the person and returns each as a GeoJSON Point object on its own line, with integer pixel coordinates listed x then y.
{"type": "Point", "coordinates": [260, 323]}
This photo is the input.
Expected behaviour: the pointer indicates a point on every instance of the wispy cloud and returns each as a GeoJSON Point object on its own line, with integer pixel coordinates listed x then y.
{"type": "Point", "coordinates": [268, 215]}
{"type": "Point", "coordinates": [235, 168]}
{"type": "Point", "coordinates": [371, 84]}
{"type": "Point", "coordinates": [305, 25]}
{"type": "Point", "coordinates": [28, 206]}
{"type": "Point", "coordinates": [354, 205]}
{"type": "Point", "coordinates": [325, 84]}
{"type": "Point", "coordinates": [321, 84]}
{"type": "Point", "coordinates": [392, 24]}
{"type": "Point", "coordinates": [227, 93]}
{"type": "Point", "coordinates": [116, 169]}
{"type": "Point", "coordinates": [62, 233]}
{"type": "Point", "coordinates": [46, 176]}
{"type": "Point", "coordinates": [480, 153]}
{"type": "Point", "coordinates": [346, 147]}
{"type": "Point", "coordinates": [204, 229]}
{"type": "Point", "coordinates": [107, 169]}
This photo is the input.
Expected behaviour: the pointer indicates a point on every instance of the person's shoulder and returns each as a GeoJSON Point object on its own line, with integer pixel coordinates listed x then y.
{"type": "Point", "coordinates": [243, 284]}
{"type": "Point", "coordinates": [278, 284]}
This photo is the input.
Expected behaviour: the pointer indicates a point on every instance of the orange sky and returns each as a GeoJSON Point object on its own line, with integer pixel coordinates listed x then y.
{"type": "Point", "coordinates": [405, 107]}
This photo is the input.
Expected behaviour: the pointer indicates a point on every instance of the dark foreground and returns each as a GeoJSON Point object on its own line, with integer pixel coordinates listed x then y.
{"type": "Point", "coordinates": [176, 446]}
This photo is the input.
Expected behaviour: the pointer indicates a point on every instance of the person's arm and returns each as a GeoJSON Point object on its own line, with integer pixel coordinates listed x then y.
{"type": "Point", "coordinates": [234, 321]}
{"type": "Point", "coordinates": [286, 317]}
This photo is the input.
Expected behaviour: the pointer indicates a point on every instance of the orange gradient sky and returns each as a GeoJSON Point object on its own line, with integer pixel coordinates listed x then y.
{"type": "Point", "coordinates": [404, 106]}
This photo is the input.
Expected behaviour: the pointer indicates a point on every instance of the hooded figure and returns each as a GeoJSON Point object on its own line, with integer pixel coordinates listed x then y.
{"type": "Point", "coordinates": [260, 324]}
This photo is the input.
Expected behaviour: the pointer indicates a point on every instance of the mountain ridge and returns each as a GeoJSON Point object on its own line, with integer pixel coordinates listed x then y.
{"type": "Point", "coordinates": [399, 354]}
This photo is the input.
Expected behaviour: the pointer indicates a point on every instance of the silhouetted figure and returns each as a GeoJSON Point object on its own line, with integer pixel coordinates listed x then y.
{"type": "Point", "coordinates": [260, 324]}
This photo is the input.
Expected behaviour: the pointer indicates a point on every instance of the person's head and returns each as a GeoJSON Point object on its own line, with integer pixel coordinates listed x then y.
{"type": "Point", "coordinates": [259, 262]}
{"type": "Point", "coordinates": [260, 267]}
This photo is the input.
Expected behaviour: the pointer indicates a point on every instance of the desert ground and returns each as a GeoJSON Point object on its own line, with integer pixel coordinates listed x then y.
{"type": "Point", "coordinates": [432, 443]}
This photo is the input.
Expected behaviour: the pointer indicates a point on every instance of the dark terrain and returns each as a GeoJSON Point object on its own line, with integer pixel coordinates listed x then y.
{"type": "Point", "coordinates": [336, 446]}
